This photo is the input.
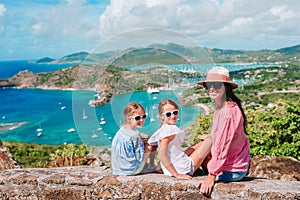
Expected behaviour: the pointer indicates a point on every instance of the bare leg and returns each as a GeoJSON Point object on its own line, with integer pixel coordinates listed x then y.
{"type": "Point", "coordinates": [192, 148]}
{"type": "Point", "coordinates": [200, 153]}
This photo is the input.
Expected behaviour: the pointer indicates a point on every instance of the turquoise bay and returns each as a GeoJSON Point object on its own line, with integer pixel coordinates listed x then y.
{"type": "Point", "coordinates": [57, 112]}
{"type": "Point", "coordinates": [60, 113]}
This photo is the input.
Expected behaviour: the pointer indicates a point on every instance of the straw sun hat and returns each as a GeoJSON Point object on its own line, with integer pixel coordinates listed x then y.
{"type": "Point", "coordinates": [218, 74]}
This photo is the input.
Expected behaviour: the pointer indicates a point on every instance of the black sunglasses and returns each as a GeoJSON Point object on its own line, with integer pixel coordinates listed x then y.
{"type": "Point", "coordinates": [137, 117]}
{"type": "Point", "coordinates": [216, 85]}
{"type": "Point", "coordinates": [168, 114]}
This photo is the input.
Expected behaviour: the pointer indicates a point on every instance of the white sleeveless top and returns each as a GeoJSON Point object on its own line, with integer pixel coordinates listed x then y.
{"type": "Point", "coordinates": [181, 162]}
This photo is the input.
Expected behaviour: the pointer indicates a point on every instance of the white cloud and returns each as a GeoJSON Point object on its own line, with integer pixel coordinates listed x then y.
{"type": "Point", "coordinates": [238, 22]}
{"type": "Point", "coordinates": [282, 12]}
{"type": "Point", "coordinates": [125, 15]}
{"type": "Point", "coordinates": [2, 9]}
{"type": "Point", "coordinates": [77, 25]}
{"type": "Point", "coordinates": [211, 22]}
{"type": "Point", "coordinates": [72, 19]}
{"type": "Point", "coordinates": [37, 28]}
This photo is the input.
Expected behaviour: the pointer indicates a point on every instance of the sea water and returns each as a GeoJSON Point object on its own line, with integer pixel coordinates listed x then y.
{"type": "Point", "coordinates": [12, 67]}
{"type": "Point", "coordinates": [58, 117]}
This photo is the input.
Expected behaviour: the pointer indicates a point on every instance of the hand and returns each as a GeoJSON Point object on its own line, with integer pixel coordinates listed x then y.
{"type": "Point", "coordinates": [206, 185]}
{"type": "Point", "coordinates": [183, 177]}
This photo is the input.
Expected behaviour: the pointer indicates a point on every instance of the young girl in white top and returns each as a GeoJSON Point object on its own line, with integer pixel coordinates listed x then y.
{"type": "Point", "coordinates": [169, 138]}
{"type": "Point", "coordinates": [129, 154]}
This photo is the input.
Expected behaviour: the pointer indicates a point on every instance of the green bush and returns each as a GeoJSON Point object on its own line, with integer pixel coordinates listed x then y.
{"type": "Point", "coordinates": [275, 130]}
{"type": "Point", "coordinates": [40, 155]}
{"type": "Point", "coordinates": [69, 155]}
{"type": "Point", "coordinates": [30, 155]}
{"type": "Point", "coordinates": [272, 130]}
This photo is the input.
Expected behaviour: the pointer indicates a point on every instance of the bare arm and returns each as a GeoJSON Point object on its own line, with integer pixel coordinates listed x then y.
{"type": "Point", "coordinates": [162, 156]}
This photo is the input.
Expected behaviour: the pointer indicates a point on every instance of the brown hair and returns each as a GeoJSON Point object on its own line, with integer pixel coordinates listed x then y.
{"type": "Point", "coordinates": [164, 102]}
{"type": "Point", "coordinates": [230, 96]}
{"type": "Point", "coordinates": [131, 108]}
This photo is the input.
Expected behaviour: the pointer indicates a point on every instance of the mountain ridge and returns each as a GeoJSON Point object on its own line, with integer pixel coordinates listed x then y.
{"type": "Point", "coordinates": [182, 54]}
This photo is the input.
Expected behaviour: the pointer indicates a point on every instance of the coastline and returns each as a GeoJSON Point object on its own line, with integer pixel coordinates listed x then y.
{"type": "Point", "coordinates": [205, 108]}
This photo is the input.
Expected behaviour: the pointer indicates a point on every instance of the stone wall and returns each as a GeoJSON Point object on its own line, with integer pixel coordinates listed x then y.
{"type": "Point", "coordinates": [69, 183]}
{"type": "Point", "coordinates": [269, 178]}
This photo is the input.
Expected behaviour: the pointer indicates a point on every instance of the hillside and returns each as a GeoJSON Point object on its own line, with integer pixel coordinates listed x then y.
{"type": "Point", "coordinates": [175, 54]}
{"type": "Point", "coordinates": [294, 50]}
{"type": "Point", "coordinates": [108, 80]}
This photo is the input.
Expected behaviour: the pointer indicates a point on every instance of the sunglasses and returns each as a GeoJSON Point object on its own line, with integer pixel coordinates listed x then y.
{"type": "Point", "coordinates": [168, 114]}
{"type": "Point", "coordinates": [216, 85]}
{"type": "Point", "coordinates": [138, 118]}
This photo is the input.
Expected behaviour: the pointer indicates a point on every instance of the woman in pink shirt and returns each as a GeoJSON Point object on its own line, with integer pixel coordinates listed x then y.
{"type": "Point", "coordinates": [230, 148]}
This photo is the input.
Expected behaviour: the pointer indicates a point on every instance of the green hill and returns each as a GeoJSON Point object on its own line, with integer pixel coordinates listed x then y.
{"type": "Point", "coordinates": [44, 60]}
{"type": "Point", "coordinates": [171, 53]}
{"type": "Point", "coordinates": [148, 56]}
{"type": "Point", "coordinates": [289, 50]}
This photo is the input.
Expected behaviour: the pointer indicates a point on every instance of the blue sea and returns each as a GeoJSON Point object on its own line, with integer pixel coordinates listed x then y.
{"type": "Point", "coordinates": [10, 68]}
{"type": "Point", "coordinates": [59, 116]}
{"type": "Point", "coordinates": [56, 112]}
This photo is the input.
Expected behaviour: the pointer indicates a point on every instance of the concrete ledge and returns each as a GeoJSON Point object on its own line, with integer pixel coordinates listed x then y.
{"type": "Point", "coordinates": [98, 183]}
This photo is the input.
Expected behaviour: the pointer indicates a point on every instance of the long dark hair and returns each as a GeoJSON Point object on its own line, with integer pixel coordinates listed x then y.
{"type": "Point", "coordinates": [230, 96]}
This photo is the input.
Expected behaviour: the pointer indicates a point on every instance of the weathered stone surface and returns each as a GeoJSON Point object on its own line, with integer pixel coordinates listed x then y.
{"type": "Point", "coordinates": [98, 183]}
{"type": "Point", "coordinates": [55, 179]}
{"type": "Point", "coordinates": [24, 178]}
{"type": "Point", "coordinates": [272, 167]}
{"type": "Point", "coordinates": [6, 160]}
{"type": "Point", "coordinates": [269, 178]}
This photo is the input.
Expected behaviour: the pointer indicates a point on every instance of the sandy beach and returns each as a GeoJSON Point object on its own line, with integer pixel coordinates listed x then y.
{"type": "Point", "coordinates": [204, 107]}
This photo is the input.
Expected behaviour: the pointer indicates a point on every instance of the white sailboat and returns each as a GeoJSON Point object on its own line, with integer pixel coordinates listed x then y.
{"type": "Point", "coordinates": [152, 119]}
{"type": "Point", "coordinates": [71, 130]}
{"type": "Point", "coordinates": [102, 120]}
{"type": "Point", "coordinates": [84, 116]}
{"type": "Point", "coordinates": [39, 129]}
{"type": "Point", "coordinates": [151, 112]}
{"type": "Point", "coordinates": [154, 107]}
{"type": "Point", "coordinates": [94, 135]}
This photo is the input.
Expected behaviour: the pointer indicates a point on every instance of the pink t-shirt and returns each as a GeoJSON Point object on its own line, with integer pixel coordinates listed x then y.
{"type": "Point", "coordinates": [230, 149]}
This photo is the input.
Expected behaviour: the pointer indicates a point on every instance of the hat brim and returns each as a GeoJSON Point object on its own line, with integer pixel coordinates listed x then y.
{"type": "Point", "coordinates": [234, 85]}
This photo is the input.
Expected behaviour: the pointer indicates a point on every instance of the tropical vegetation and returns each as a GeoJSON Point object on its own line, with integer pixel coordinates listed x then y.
{"type": "Point", "coordinates": [272, 108]}
{"type": "Point", "coordinates": [42, 155]}
{"type": "Point", "coordinates": [272, 130]}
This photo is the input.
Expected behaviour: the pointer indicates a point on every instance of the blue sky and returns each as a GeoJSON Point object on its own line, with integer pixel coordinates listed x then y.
{"type": "Point", "coordinates": [34, 29]}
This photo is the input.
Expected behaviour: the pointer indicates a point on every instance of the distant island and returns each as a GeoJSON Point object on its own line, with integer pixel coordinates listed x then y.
{"type": "Point", "coordinates": [44, 60]}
